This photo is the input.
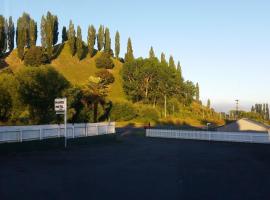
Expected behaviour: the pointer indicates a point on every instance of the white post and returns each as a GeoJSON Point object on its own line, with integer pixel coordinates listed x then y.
{"type": "Point", "coordinates": [73, 131]}
{"type": "Point", "coordinates": [65, 128]}
{"type": "Point", "coordinates": [40, 134]}
{"type": "Point", "coordinates": [21, 132]}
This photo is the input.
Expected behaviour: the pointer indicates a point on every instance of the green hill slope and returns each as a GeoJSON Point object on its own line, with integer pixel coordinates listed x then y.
{"type": "Point", "coordinates": [76, 71]}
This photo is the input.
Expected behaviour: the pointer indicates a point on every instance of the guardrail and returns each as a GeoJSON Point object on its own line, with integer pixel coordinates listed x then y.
{"type": "Point", "coordinates": [210, 135]}
{"type": "Point", "coordinates": [40, 132]}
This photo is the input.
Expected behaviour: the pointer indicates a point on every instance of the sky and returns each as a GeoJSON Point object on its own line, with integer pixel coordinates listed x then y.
{"type": "Point", "coordinates": [222, 45]}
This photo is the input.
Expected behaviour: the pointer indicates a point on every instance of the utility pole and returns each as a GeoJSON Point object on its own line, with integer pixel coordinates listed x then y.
{"type": "Point", "coordinates": [237, 107]}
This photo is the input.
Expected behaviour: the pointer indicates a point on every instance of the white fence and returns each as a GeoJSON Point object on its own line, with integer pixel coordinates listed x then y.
{"type": "Point", "coordinates": [210, 135]}
{"type": "Point", "coordinates": [39, 132]}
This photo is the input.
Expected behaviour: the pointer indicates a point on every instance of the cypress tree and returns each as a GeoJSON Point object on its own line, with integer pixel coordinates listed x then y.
{"type": "Point", "coordinates": [3, 36]}
{"type": "Point", "coordinates": [79, 43]}
{"type": "Point", "coordinates": [171, 62]}
{"type": "Point", "coordinates": [49, 32]}
{"type": "Point", "coordinates": [179, 70]}
{"type": "Point", "coordinates": [91, 40]}
{"type": "Point", "coordinates": [43, 32]}
{"type": "Point", "coordinates": [100, 37]}
{"type": "Point", "coordinates": [71, 38]}
{"type": "Point", "coordinates": [33, 32]}
{"type": "Point", "coordinates": [64, 34]}
{"type": "Point", "coordinates": [151, 53]}
{"type": "Point", "coordinates": [107, 45]}
{"type": "Point", "coordinates": [163, 59]}
{"type": "Point", "coordinates": [208, 104]}
{"type": "Point", "coordinates": [197, 92]}
{"type": "Point", "coordinates": [23, 34]}
{"type": "Point", "coordinates": [117, 44]}
{"type": "Point", "coordinates": [11, 34]}
{"type": "Point", "coordinates": [129, 55]}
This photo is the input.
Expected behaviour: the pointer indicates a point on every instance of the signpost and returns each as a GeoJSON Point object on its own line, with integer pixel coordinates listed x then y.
{"type": "Point", "coordinates": [60, 106]}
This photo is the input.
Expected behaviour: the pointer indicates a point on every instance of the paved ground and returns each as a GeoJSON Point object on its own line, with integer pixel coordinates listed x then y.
{"type": "Point", "coordinates": [139, 168]}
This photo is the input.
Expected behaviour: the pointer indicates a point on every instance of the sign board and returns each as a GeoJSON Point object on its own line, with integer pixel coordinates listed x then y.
{"type": "Point", "coordinates": [60, 105]}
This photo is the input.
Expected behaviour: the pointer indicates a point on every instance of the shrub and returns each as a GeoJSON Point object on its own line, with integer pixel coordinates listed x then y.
{"type": "Point", "coordinates": [104, 61]}
{"type": "Point", "coordinates": [35, 57]}
{"type": "Point", "coordinates": [122, 111]}
{"type": "Point", "coordinates": [106, 77]}
{"type": "Point", "coordinates": [5, 104]}
{"type": "Point", "coordinates": [147, 112]}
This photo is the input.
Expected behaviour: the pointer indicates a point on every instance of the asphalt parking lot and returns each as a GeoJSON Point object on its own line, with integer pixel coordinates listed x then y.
{"type": "Point", "coordinates": [134, 167]}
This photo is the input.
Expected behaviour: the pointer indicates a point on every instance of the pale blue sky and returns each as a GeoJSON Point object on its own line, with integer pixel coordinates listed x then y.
{"type": "Point", "coordinates": [223, 45]}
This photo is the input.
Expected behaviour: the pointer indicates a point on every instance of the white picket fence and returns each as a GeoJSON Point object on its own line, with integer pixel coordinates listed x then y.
{"type": "Point", "coordinates": [210, 135]}
{"type": "Point", "coordinates": [40, 132]}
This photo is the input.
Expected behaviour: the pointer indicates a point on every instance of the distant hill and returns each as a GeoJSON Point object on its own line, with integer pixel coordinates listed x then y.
{"type": "Point", "coordinates": [76, 71]}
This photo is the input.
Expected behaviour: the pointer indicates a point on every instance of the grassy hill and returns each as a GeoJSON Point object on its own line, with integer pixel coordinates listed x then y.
{"type": "Point", "coordinates": [76, 71]}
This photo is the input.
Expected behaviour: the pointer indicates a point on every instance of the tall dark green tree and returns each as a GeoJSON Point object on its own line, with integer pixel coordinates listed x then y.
{"type": "Point", "coordinates": [129, 57]}
{"type": "Point", "coordinates": [71, 38]}
{"type": "Point", "coordinates": [117, 44]}
{"type": "Point", "coordinates": [64, 34]}
{"type": "Point", "coordinates": [3, 36]}
{"type": "Point", "coordinates": [151, 53]}
{"type": "Point", "coordinates": [179, 70]}
{"type": "Point", "coordinates": [91, 40]}
{"type": "Point", "coordinates": [100, 37]}
{"type": "Point", "coordinates": [11, 34]}
{"type": "Point", "coordinates": [32, 32]}
{"type": "Point", "coordinates": [107, 44]}
{"type": "Point", "coordinates": [197, 92]}
{"type": "Point", "coordinates": [43, 31]}
{"type": "Point", "coordinates": [171, 62]}
{"type": "Point", "coordinates": [79, 43]}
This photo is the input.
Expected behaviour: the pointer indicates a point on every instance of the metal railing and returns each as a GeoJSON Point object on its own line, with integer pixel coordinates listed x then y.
{"type": "Point", "coordinates": [40, 132]}
{"type": "Point", "coordinates": [247, 137]}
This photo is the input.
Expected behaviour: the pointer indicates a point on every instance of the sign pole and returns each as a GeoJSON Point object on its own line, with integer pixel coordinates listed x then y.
{"type": "Point", "coordinates": [60, 106]}
{"type": "Point", "coordinates": [65, 128]}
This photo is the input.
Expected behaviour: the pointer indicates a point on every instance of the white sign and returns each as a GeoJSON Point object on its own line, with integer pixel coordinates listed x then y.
{"type": "Point", "coordinates": [60, 105]}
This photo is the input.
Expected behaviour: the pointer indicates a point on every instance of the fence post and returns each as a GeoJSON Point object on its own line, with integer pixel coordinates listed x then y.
{"type": "Point", "coordinates": [86, 130]}
{"type": "Point", "coordinates": [58, 130]}
{"type": "Point", "coordinates": [73, 131]}
{"type": "Point", "coordinates": [40, 134]}
{"type": "Point", "coordinates": [21, 132]}
{"type": "Point", "coordinates": [97, 129]}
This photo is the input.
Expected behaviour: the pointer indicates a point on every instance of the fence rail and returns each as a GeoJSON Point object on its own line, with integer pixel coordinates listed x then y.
{"type": "Point", "coordinates": [210, 135]}
{"type": "Point", "coordinates": [40, 132]}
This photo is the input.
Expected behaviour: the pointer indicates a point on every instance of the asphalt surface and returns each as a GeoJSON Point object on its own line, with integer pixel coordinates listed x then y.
{"type": "Point", "coordinates": [135, 167]}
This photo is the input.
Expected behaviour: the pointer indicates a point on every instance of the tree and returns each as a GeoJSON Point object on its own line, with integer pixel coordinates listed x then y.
{"type": "Point", "coordinates": [197, 92]}
{"type": "Point", "coordinates": [151, 53]}
{"type": "Point", "coordinates": [91, 40]}
{"type": "Point", "coordinates": [179, 70]}
{"type": "Point", "coordinates": [79, 43]}
{"type": "Point", "coordinates": [49, 32]}
{"type": "Point", "coordinates": [163, 59]}
{"type": "Point", "coordinates": [117, 44]}
{"type": "Point", "coordinates": [5, 104]}
{"type": "Point", "coordinates": [32, 32]}
{"type": "Point", "coordinates": [208, 104]}
{"type": "Point", "coordinates": [22, 34]}
{"type": "Point", "coordinates": [100, 37]}
{"type": "Point", "coordinates": [11, 34]}
{"type": "Point", "coordinates": [35, 57]}
{"type": "Point", "coordinates": [71, 38]}
{"type": "Point", "coordinates": [3, 36]}
{"type": "Point", "coordinates": [107, 44]}
{"type": "Point", "coordinates": [64, 34]}
{"type": "Point", "coordinates": [105, 76]}
{"type": "Point", "coordinates": [129, 57]}
{"type": "Point", "coordinates": [171, 62]}
{"type": "Point", "coordinates": [38, 87]}
{"type": "Point", "coordinates": [104, 61]}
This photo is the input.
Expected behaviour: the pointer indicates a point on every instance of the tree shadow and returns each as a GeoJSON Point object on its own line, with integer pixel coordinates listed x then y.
{"type": "Point", "coordinates": [57, 50]}
{"type": "Point", "coordinates": [3, 64]}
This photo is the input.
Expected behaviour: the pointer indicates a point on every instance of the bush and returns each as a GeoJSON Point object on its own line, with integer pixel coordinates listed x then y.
{"type": "Point", "coordinates": [122, 111]}
{"type": "Point", "coordinates": [147, 112]}
{"type": "Point", "coordinates": [5, 104]}
{"type": "Point", "coordinates": [106, 77]}
{"type": "Point", "coordinates": [104, 61]}
{"type": "Point", "coordinates": [35, 57]}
